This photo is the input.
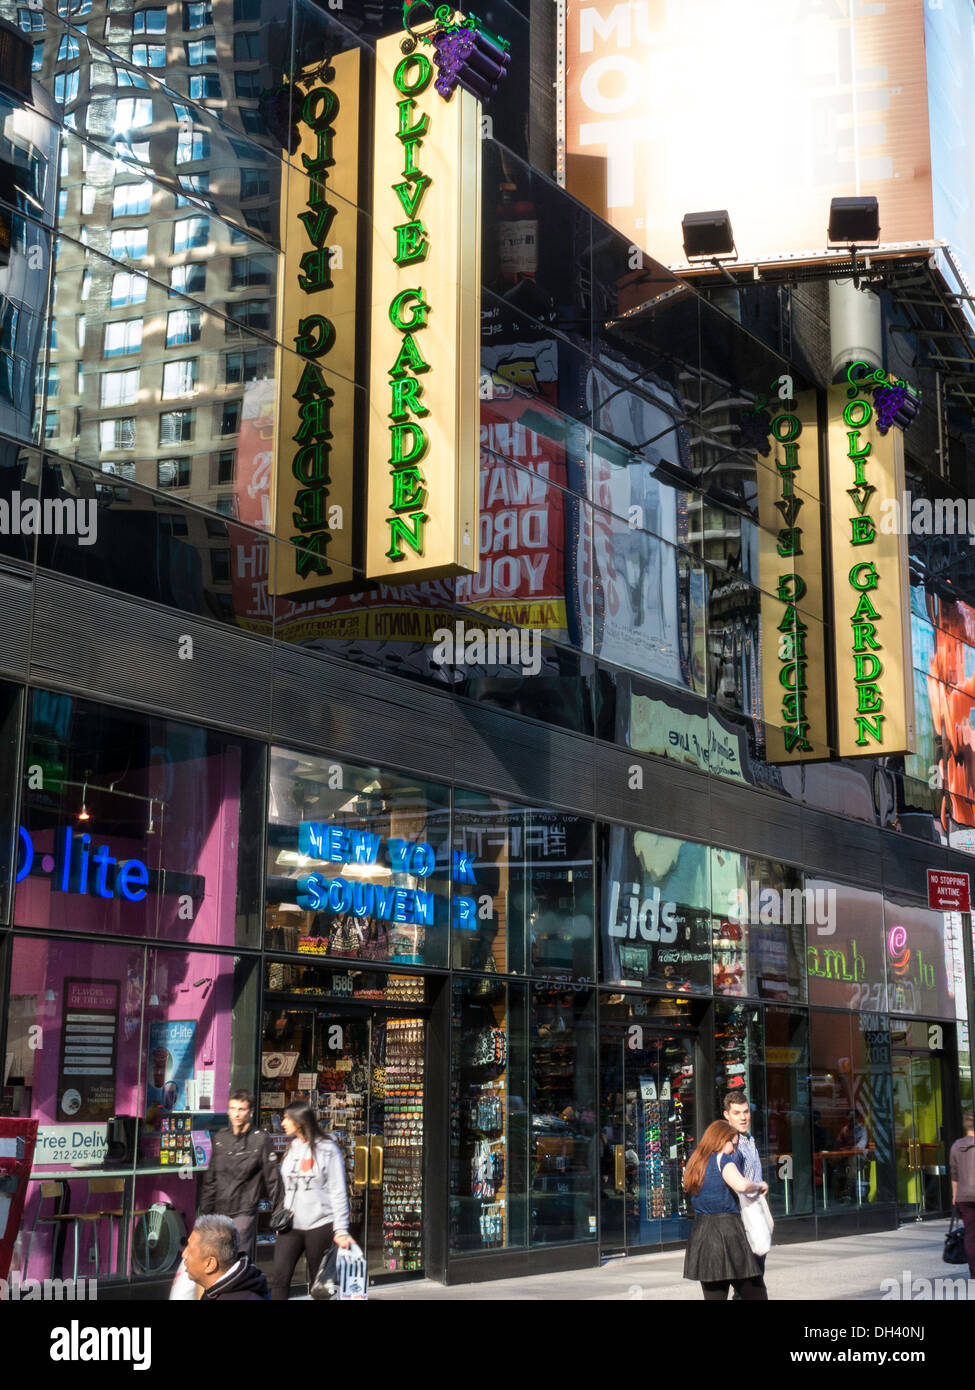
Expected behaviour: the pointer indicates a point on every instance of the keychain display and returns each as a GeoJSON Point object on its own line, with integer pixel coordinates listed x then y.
{"type": "Point", "coordinates": [403, 1144]}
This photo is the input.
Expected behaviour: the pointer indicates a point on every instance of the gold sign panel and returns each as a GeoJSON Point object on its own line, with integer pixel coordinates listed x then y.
{"type": "Point", "coordinates": [425, 340]}
{"type": "Point", "coordinates": [316, 429]}
{"type": "Point", "coordinates": [871, 612]}
{"type": "Point", "coordinates": [790, 567]}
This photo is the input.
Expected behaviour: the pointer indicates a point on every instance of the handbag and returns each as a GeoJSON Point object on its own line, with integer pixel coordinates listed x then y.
{"type": "Point", "coordinates": [758, 1223]}
{"type": "Point", "coordinates": [954, 1251]}
{"type": "Point", "coordinates": [281, 1221]}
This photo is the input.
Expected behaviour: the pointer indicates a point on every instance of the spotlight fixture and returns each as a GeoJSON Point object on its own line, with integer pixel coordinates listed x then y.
{"type": "Point", "coordinates": [708, 236]}
{"type": "Point", "coordinates": [854, 222]}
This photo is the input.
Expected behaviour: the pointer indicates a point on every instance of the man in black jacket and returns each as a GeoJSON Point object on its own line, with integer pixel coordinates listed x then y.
{"type": "Point", "coordinates": [211, 1260]}
{"type": "Point", "coordinates": [242, 1171]}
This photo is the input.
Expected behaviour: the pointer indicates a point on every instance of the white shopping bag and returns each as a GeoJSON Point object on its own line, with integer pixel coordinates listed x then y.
{"type": "Point", "coordinates": [183, 1289]}
{"type": "Point", "coordinates": [758, 1222]}
{"type": "Point", "coordinates": [351, 1274]}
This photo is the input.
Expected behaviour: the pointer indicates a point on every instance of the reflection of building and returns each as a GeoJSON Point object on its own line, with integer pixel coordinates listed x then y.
{"type": "Point", "coordinates": [498, 927]}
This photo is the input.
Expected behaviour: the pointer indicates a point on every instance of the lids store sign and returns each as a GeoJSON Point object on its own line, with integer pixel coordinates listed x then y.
{"type": "Point", "coordinates": [422, 515]}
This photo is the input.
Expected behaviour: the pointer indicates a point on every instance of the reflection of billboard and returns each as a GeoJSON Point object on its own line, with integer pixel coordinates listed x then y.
{"type": "Point", "coordinates": [655, 917]}
{"type": "Point", "coordinates": [521, 575]}
{"type": "Point", "coordinates": [769, 109]}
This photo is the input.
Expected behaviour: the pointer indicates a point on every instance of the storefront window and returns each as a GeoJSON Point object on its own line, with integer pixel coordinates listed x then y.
{"type": "Point", "coordinates": [489, 1116]}
{"type": "Point", "coordinates": [137, 826]}
{"type": "Point", "coordinates": [563, 1089]}
{"type": "Point", "coordinates": [921, 965]}
{"type": "Point", "coordinates": [559, 894]}
{"type": "Point", "coordinates": [852, 1129]}
{"type": "Point", "coordinates": [845, 950]}
{"type": "Point", "coordinates": [125, 1055]}
{"type": "Point", "coordinates": [759, 910]}
{"type": "Point", "coordinates": [489, 837]}
{"type": "Point", "coordinates": [359, 862]}
{"type": "Point", "coordinates": [654, 923]}
{"type": "Point", "coordinates": [788, 1170]}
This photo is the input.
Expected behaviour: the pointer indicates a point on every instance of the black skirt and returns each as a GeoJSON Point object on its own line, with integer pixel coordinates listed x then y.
{"type": "Point", "coordinates": [719, 1249]}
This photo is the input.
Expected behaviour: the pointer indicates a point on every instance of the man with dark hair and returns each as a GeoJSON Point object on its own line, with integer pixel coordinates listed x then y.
{"type": "Point", "coordinates": [212, 1260]}
{"type": "Point", "coordinates": [738, 1113]}
{"type": "Point", "coordinates": [242, 1171]}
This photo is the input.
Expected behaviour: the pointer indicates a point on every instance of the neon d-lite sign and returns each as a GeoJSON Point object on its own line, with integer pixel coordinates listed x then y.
{"type": "Point", "coordinates": [414, 906]}
{"type": "Point", "coordinates": [78, 869]}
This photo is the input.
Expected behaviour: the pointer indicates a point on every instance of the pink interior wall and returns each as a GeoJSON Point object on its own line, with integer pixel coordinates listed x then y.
{"type": "Point", "coordinates": [197, 832]}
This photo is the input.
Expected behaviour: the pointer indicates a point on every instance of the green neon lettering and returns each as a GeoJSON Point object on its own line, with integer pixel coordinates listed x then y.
{"type": "Point", "coordinates": [862, 530]}
{"type": "Point", "coordinates": [318, 224]}
{"type": "Point", "coordinates": [418, 316]}
{"type": "Point", "coordinates": [399, 531]}
{"type": "Point", "coordinates": [865, 608]}
{"type": "Point", "coordinates": [863, 637]}
{"type": "Point", "coordinates": [860, 496]}
{"type": "Point", "coordinates": [403, 398]}
{"type": "Point", "coordinates": [323, 157]}
{"type": "Point", "coordinates": [416, 84]}
{"type": "Point", "coordinates": [316, 335]}
{"type": "Point", "coordinates": [411, 243]}
{"type": "Point", "coordinates": [311, 503]}
{"type": "Point", "coordinates": [798, 670]}
{"type": "Point", "coordinates": [398, 454]}
{"type": "Point", "coordinates": [314, 420]}
{"type": "Point", "coordinates": [411, 194]}
{"type": "Point", "coordinates": [316, 265]}
{"type": "Point", "coordinates": [869, 699]}
{"type": "Point", "coordinates": [789, 542]}
{"type": "Point", "coordinates": [319, 108]}
{"type": "Point", "coordinates": [798, 587]}
{"type": "Point", "coordinates": [312, 383]}
{"type": "Point", "coordinates": [409, 358]}
{"type": "Point", "coordinates": [865, 418]}
{"type": "Point", "coordinates": [856, 576]}
{"type": "Point", "coordinates": [865, 726]}
{"type": "Point", "coordinates": [792, 430]}
{"type": "Point", "coordinates": [310, 464]}
{"type": "Point", "coordinates": [408, 489]}
{"type": "Point", "coordinates": [797, 738]}
{"type": "Point", "coordinates": [862, 674]}
{"type": "Point", "coordinates": [310, 553]}
{"type": "Point", "coordinates": [853, 436]}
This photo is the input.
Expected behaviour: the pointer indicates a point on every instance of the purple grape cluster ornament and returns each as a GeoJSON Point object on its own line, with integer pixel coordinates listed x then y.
{"type": "Point", "coordinates": [887, 402]}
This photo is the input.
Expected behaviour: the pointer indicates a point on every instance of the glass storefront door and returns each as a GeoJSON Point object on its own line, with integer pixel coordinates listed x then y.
{"type": "Point", "coordinates": [646, 1119]}
{"type": "Point", "coordinates": [922, 1175]}
{"type": "Point", "coordinates": [362, 1071]}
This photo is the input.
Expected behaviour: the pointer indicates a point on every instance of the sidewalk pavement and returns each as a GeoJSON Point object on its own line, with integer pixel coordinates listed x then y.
{"type": "Point", "coordinates": [839, 1270]}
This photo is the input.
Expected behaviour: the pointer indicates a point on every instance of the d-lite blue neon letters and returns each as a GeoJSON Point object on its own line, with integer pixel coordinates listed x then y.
{"type": "Point", "coordinates": [337, 845]}
{"type": "Point", "coordinates": [78, 870]}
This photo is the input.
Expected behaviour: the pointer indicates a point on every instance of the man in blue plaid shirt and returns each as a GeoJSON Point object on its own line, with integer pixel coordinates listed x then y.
{"type": "Point", "coordinates": [738, 1113]}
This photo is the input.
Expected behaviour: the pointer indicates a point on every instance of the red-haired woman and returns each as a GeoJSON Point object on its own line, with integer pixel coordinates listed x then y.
{"type": "Point", "coordinates": [718, 1253]}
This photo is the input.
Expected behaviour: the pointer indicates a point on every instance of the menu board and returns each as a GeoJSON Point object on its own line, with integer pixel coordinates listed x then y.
{"type": "Point", "coordinates": [88, 1056]}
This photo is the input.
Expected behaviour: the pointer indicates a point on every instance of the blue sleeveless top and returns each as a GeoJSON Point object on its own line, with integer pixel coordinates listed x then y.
{"type": "Point", "coordinates": [716, 1198]}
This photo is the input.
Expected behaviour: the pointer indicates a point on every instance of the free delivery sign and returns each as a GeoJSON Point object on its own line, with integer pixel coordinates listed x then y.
{"type": "Point", "coordinates": [68, 1145]}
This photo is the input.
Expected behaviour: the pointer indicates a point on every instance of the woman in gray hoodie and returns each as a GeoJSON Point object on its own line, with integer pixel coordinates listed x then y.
{"type": "Point", "coordinates": [315, 1192]}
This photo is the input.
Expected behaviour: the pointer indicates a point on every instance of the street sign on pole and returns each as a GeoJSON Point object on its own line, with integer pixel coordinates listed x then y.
{"type": "Point", "coordinates": [949, 892]}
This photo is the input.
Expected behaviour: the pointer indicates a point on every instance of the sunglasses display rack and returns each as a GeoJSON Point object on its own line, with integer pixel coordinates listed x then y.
{"type": "Point", "coordinates": [403, 1145]}
{"type": "Point", "coordinates": [663, 1140]}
